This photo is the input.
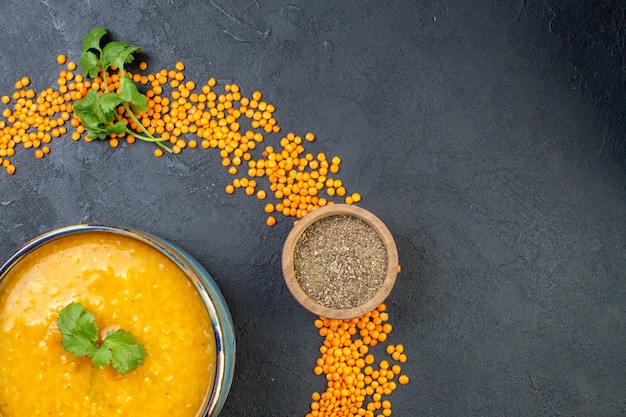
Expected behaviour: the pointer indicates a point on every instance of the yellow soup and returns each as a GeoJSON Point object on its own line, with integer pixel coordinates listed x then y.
{"type": "Point", "coordinates": [127, 284]}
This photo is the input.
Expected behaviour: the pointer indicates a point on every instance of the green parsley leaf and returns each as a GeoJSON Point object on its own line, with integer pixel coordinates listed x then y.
{"type": "Point", "coordinates": [126, 352]}
{"type": "Point", "coordinates": [92, 39]}
{"type": "Point", "coordinates": [97, 133]}
{"type": "Point", "coordinates": [111, 52]}
{"type": "Point", "coordinates": [117, 128]}
{"type": "Point", "coordinates": [89, 64]}
{"type": "Point", "coordinates": [130, 94]}
{"type": "Point", "coordinates": [109, 102]}
{"type": "Point", "coordinates": [87, 104]}
{"type": "Point", "coordinates": [92, 116]}
{"type": "Point", "coordinates": [87, 109]}
{"type": "Point", "coordinates": [125, 56]}
{"type": "Point", "coordinates": [102, 357]}
{"type": "Point", "coordinates": [79, 330]}
{"type": "Point", "coordinates": [80, 338]}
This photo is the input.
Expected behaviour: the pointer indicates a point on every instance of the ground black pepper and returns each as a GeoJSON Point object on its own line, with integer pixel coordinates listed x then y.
{"type": "Point", "coordinates": [340, 261]}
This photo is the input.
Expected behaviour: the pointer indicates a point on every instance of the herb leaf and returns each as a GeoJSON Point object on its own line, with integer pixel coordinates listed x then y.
{"type": "Point", "coordinates": [109, 102]}
{"type": "Point", "coordinates": [93, 38]}
{"type": "Point", "coordinates": [125, 56]}
{"type": "Point", "coordinates": [80, 338]}
{"type": "Point", "coordinates": [87, 109]}
{"type": "Point", "coordinates": [129, 93]}
{"type": "Point", "coordinates": [92, 116]}
{"type": "Point", "coordinates": [89, 64]}
{"type": "Point", "coordinates": [102, 357]}
{"type": "Point", "coordinates": [111, 52]}
{"type": "Point", "coordinates": [126, 352]}
{"type": "Point", "coordinates": [117, 128]}
{"type": "Point", "coordinates": [79, 330]}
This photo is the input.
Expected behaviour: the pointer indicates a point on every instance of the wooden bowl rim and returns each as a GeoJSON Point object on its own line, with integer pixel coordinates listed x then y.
{"type": "Point", "coordinates": [339, 210]}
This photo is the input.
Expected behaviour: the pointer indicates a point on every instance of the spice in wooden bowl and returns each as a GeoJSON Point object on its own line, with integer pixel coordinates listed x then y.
{"type": "Point", "coordinates": [339, 261]}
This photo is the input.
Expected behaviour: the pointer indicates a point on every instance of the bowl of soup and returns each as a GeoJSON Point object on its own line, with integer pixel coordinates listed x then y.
{"type": "Point", "coordinates": [128, 280]}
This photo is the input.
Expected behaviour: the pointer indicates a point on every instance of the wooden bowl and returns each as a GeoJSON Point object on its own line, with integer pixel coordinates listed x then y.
{"type": "Point", "coordinates": [307, 301]}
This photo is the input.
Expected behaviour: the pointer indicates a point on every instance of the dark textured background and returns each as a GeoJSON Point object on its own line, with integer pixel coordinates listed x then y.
{"type": "Point", "coordinates": [487, 135]}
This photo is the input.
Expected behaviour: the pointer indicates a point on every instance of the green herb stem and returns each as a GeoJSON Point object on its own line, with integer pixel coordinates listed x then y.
{"type": "Point", "coordinates": [93, 381]}
{"type": "Point", "coordinates": [148, 137]}
{"type": "Point", "coordinates": [104, 76]}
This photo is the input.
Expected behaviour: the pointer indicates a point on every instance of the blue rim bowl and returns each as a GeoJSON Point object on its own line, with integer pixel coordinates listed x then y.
{"type": "Point", "coordinates": [202, 280]}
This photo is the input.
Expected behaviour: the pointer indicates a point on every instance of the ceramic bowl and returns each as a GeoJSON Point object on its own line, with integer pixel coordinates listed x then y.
{"type": "Point", "coordinates": [203, 282]}
{"type": "Point", "coordinates": [339, 210]}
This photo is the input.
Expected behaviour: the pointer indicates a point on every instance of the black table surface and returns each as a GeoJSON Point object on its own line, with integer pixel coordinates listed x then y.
{"type": "Point", "coordinates": [487, 135]}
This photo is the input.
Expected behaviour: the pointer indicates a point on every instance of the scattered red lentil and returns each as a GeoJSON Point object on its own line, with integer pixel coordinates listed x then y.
{"type": "Point", "coordinates": [356, 385]}
{"type": "Point", "coordinates": [189, 115]}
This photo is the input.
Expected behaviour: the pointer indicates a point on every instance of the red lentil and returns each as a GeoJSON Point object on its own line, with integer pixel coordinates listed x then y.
{"type": "Point", "coordinates": [356, 385]}
{"type": "Point", "coordinates": [191, 116]}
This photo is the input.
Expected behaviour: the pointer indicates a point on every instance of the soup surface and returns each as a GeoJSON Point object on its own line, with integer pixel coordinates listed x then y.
{"type": "Point", "coordinates": [124, 283]}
